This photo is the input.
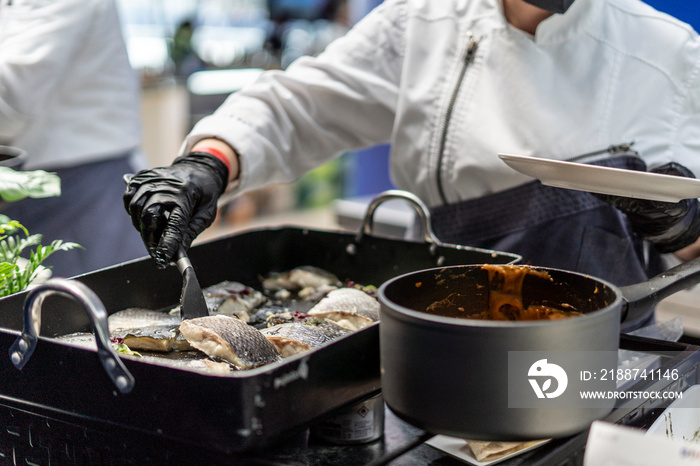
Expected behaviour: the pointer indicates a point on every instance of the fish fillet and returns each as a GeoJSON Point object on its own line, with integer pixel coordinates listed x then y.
{"type": "Point", "coordinates": [294, 338]}
{"type": "Point", "coordinates": [327, 326]}
{"type": "Point", "coordinates": [230, 339]}
{"type": "Point", "coordinates": [348, 307]}
{"type": "Point", "coordinates": [139, 318]}
{"type": "Point", "coordinates": [233, 299]}
{"type": "Point", "coordinates": [81, 339]}
{"type": "Point", "coordinates": [161, 338]}
{"type": "Point", "coordinates": [300, 278]}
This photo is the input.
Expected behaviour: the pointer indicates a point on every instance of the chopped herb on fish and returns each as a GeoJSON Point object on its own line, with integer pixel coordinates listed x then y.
{"type": "Point", "coordinates": [285, 318]}
{"type": "Point", "coordinates": [123, 349]}
{"type": "Point", "coordinates": [259, 318]}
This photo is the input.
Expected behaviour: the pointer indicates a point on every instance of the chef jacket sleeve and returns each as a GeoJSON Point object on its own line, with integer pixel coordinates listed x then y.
{"type": "Point", "coordinates": [288, 122]}
{"type": "Point", "coordinates": [37, 39]}
{"type": "Point", "coordinates": [686, 149]}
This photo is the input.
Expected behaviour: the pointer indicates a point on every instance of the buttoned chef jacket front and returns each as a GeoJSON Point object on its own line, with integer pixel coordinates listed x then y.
{"type": "Point", "coordinates": [68, 94]}
{"type": "Point", "coordinates": [603, 73]}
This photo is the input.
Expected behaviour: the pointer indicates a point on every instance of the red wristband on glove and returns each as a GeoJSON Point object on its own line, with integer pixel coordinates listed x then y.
{"type": "Point", "coordinates": [218, 154]}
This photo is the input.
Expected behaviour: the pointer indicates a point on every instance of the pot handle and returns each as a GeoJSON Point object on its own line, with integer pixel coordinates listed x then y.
{"type": "Point", "coordinates": [642, 297]}
{"type": "Point", "coordinates": [22, 349]}
{"type": "Point", "coordinates": [415, 202]}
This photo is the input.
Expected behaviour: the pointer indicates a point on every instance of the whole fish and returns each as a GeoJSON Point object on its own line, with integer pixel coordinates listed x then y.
{"type": "Point", "coordinates": [294, 338]}
{"type": "Point", "coordinates": [229, 339]}
{"type": "Point", "coordinates": [348, 307]}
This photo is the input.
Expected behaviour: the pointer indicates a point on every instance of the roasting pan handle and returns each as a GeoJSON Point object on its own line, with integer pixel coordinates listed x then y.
{"type": "Point", "coordinates": [24, 346]}
{"type": "Point", "coordinates": [415, 202]}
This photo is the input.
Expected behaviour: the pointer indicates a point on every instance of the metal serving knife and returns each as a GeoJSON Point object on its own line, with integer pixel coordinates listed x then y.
{"type": "Point", "coordinates": [192, 303]}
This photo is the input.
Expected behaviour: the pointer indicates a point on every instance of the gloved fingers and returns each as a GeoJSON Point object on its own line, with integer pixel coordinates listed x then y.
{"type": "Point", "coordinates": [626, 204]}
{"type": "Point", "coordinates": [139, 197]}
{"type": "Point", "coordinates": [163, 215]}
{"type": "Point", "coordinates": [129, 192]}
{"type": "Point", "coordinates": [670, 226]}
{"type": "Point", "coordinates": [673, 168]}
{"type": "Point", "coordinates": [153, 222]}
{"type": "Point", "coordinates": [645, 207]}
{"type": "Point", "coordinates": [180, 231]}
{"type": "Point", "coordinates": [171, 237]}
{"type": "Point", "coordinates": [149, 209]}
{"type": "Point", "coordinates": [134, 207]}
{"type": "Point", "coordinates": [170, 206]}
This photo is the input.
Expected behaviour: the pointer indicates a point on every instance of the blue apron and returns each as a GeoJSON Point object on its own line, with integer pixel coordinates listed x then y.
{"type": "Point", "coordinates": [557, 228]}
{"type": "Point", "coordinates": [90, 212]}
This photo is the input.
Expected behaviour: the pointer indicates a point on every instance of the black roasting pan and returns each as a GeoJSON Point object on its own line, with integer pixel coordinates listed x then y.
{"type": "Point", "coordinates": [233, 413]}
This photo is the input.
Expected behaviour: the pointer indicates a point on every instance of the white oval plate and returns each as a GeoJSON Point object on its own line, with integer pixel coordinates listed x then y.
{"type": "Point", "coordinates": [681, 420]}
{"type": "Point", "coordinates": [605, 180]}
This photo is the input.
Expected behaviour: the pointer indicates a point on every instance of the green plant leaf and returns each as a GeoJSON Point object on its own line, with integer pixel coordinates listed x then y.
{"type": "Point", "coordinates": [16, 185]}
{"type": "Point", "coordinates": [17, 272]}
{"type": "Point", "coordinates": [14, 277]}
{"type": "Point", "coordinates": [11, 225]}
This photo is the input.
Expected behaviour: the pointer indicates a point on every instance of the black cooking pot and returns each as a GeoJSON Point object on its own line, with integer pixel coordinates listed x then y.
{"type": "Point", "coordinates": [476, 378]}
{"type": "Point", "coordinates": [12, 157]}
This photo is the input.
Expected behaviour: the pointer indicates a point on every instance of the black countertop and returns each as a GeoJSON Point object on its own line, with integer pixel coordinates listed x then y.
{"type": "Point", "coordinates": [42, 439]}
{"type": "Point", "coordinates": [308, 450]}
{"type": "Point", "coordinates": [401, 445]}
{"type": "Point", "coordinates": [31, 435]}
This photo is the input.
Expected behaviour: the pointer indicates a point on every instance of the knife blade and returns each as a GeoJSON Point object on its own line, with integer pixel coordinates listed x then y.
{"type": "Point", "coordinates": [192, 302]}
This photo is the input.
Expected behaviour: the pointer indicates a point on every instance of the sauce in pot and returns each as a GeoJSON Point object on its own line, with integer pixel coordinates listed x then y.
{"type": "Point", "coordinates": [506, 298]}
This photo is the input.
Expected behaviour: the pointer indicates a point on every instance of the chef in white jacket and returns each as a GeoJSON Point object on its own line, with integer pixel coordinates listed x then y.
{"type": "Point", "coordinates": [69, 98]}
{"type": "Point", "coordinates": [451, 84]}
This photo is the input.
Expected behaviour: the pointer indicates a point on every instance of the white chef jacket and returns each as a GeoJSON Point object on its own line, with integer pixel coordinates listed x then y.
{"type": "Point", "coordinates": [605, 72]}
{"type": "Point", "coordinates": [67, 92]}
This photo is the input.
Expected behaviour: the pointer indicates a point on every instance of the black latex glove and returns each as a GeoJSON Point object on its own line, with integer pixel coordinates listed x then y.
{"type": "Point", "coordinates": [170, 206]}
{"type": "Point", "coordinates": [669, 226]}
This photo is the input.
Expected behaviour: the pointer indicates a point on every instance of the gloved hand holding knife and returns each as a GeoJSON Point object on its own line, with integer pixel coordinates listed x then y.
{"type": "Point", "coordinates": [669, 226]}
{"type": "Point", "coordinates": [171, 206]}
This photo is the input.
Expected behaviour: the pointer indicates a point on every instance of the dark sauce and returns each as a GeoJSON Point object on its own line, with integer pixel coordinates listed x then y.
{"type": "Point", "coordinates": [505, 300]}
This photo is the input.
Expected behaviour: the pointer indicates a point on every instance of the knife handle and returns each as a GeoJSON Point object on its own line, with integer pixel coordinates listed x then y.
{"type": "Point", "coordinates": [183, 262]}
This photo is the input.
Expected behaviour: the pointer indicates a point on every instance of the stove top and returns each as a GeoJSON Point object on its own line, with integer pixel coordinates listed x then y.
{"type": "Point", "coordinates": [34, 436]}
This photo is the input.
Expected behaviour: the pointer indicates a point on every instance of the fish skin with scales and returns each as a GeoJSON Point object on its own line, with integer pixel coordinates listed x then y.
{"type": "Point", "coordinates": [230, 339]}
